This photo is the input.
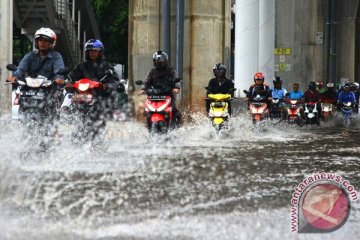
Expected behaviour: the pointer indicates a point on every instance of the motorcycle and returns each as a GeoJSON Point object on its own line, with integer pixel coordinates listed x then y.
{"type": "Point", "coordinates": [85, 103]}
{"type": "Point", "coordinates": [347, 110]}
{"type": "Point", "coordinates": [219, 108]}
{"type": "Point", "coordinates": [276, 109]}
{"type": "Point", "coordinates": [311, 113]}
{"type": "Point", "coordinates": [326, 109]}
{"type": "Point", "coordinates": [158, 109]}
{"type": "Point", "coordinates": [34, 98]}
{"type": "Point", "coordinates": [294, 114]}
{"type": "Point", "coordinates": [258, 108]}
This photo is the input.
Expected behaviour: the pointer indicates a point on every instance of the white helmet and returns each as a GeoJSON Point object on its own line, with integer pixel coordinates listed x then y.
{"type": "Point", "coordinates": [356, 84]}
{"type": "Point", "coordinates": [46, 33]}
{"type": "Point", "coordinates": [330, 85]}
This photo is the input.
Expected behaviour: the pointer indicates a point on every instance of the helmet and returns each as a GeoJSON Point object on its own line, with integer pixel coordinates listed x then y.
{"type": "Point", "coordinates": [259, 76]}
{"type": "Point", "coordinates": [356, 84]}
{"type": "Point", "coordinates": [160, 59]}
{"type": "Point", "coordinates": [219, 66]}
{"type": "Point", "coordinates": [94, 44]}
{"type": "Point", "coordinates": [319, 84]}
{"type": "Point", "coordinates": [160, 56]}
{"type": "Point", "coordinates": [46, 33]}
{"type": "Point", "coordinates": [347, 86]}
{"type": "Point", "coordinates": [312, 86]}
{"type": "Point", "coordinates": [277, 80]}
{"type": "Point", "coordinates": [219, 70]}
{"type": "Point", "coordinates": [330, 85]}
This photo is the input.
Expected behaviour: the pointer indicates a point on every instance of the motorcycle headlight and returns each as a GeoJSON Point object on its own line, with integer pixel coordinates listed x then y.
{"type": "Point", "coordinates": [83, 86]}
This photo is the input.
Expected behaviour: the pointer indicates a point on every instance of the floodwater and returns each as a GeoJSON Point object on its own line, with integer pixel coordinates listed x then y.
{"type": "Point", "coordinates": [191, 184]}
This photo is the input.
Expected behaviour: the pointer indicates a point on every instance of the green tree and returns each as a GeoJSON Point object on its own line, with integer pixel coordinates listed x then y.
{"type": "Point", "coordinates": [112, 19]}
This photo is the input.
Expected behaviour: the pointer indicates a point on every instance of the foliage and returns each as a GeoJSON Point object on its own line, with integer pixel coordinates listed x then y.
{"type": "Point", "coordinates": [21, 45]}
{"type": "Point", "coordinates": [112, 19]}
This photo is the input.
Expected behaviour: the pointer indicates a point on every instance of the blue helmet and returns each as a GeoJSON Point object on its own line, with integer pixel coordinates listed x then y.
{"type": "Point", "coordinates": [94, 44]}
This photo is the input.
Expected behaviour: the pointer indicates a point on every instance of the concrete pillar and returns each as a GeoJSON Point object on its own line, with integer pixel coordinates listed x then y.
{"type": "Point", "coordinates": [254, 41]}
{"type": "Point", "coordinates": [144, 40]}
{"type": "Point", "coordinates": [6, 39]}
{"type": "Point", "coordinates": [206, 42]}
{"type": "Point", "coordinates": [346, 40]}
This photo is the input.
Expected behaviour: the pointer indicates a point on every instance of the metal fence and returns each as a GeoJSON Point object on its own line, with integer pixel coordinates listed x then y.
{"type": "Point", "coordinates": [64, 14]}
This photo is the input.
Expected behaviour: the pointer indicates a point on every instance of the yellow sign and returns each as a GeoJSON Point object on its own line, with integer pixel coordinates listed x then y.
{"type": "Point", "coordinates": [282, 67]}
{"type": "Point", "coordinates": [282, 51]}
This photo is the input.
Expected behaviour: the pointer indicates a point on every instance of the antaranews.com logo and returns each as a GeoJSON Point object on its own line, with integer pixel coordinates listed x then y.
{"type": "Point", "coordinates": [321, 203]}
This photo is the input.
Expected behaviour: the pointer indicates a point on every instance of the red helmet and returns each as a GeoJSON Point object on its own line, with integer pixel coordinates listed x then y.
{"type": "Point", "coordinates": [259, 76]}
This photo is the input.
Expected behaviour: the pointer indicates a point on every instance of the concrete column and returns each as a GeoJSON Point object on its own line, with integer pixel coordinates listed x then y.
{"type": "Point", "coordinates": [208, 44]}
{"type": "Point", "coordinates": [346, 40]}
{"type": "Point", "coordinates": [6, 40]}
{"type": "Point", "coordinates": [144, 40]}
{"type": "Point", "coordinates": [254, 41]}
{"type": "Point", "coordinates": [267, 38]}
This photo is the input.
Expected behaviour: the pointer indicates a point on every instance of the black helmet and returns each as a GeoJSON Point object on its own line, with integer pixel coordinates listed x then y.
{"type": "Point", "coordinates": [312, 86]}
{"type": "Point", "coordinates": [277, 80]}
{"type": "Point", "coordinates": [347, 86]}
{"type": "Point", "coordinates": [160, 59]}
{"type": "Point", "coordinates": [219, 70]}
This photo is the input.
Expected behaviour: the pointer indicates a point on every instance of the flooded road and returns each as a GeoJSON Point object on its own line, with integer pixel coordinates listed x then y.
{"type": "Point", "coordinates": [191, 184]}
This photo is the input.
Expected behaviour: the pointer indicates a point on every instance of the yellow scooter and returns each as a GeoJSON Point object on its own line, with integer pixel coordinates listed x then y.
{"type": "Point", "coordinates": [219, 109]}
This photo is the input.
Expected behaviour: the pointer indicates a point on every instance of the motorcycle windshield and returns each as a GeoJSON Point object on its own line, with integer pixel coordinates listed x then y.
{"type": "Point", "coordinates": [219, 97]}
{"type": "Point", "coordinates": [37, 82]}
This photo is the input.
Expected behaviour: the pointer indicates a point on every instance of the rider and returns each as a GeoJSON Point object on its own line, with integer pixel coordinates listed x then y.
{"type": "Point", "coordinates": [296, 94]}
{"type": "Point", "coordinates": [96, 68]}
{"type": "Point", "coordinates": [312, 95]}
{"type": "Point", "coordinates": [329, 95]}
{"type": "Point", "coordinates": [347, 96]}
{"type": "Point", "coordinates": [163, 76]}
{"type": "Point", "coordinates": [279, 92]}
{"type": "Point", "coordinates": [43, 61]}
{"type": "Point", "coordinates": [355, 89]}
{"type": "Point", "coordinates": [259, 88]}
{"type": "Point", "coordinates": [219, 84]}
{"type": "Point", "coordinates": [320, 87]}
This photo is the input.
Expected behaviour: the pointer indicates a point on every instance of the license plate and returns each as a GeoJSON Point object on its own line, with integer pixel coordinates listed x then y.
{"type": "Point", "coordinates": [157, 98]}
{"type": "Point", "coordinates": [82, 98]}
{"type": "Point", "coordinates": [34, 95]}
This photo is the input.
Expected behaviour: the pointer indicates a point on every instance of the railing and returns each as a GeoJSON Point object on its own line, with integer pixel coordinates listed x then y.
{"type": "Point", "coordinates": [63, 12]}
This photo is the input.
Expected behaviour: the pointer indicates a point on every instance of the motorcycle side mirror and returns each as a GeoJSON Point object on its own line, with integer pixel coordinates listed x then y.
{"type": "Point", "coordinates": [11, 67]}
{"type": "Point", "coordinates": [139, 82]}
{"type": "Point", "coordinates": [177, 80]}
{"type": "Point", "coordinates": [246, 92]}
{"type": "Point", "coordinates": [63, 71]}
{"type": "Point", "coordinates": [232, 90]}
{"type": "Point", "coordinates": [287, 94]}
{"type": "Point", "coordinates": [109, 72]}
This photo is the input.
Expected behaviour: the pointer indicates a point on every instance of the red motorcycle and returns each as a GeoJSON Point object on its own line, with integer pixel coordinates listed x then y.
{"type": "Point", "coordinates": [258, 108]}
{"type": "Point", "coordinates": [89, 110]}
{"type": "Point", "coordinates": [327, 107]}
{"type": "Point", "coordinates": [158, 109]}
{"type": "Point", "coordinates": [294, 112]}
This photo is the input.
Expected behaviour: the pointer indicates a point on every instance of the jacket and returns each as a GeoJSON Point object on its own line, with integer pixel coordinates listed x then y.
{"type": "Point", "coordinates": [215, 86]}
{"type": "Point", "coordinates": [30, 62]}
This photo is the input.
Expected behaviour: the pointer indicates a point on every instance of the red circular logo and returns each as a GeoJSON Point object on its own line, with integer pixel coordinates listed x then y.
{"type": "Point", "coordinates": [325, 207]}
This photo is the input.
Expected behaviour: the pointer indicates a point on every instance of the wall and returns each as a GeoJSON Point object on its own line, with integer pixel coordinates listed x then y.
{"type": "Point", "coordinates": [6, 21]}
